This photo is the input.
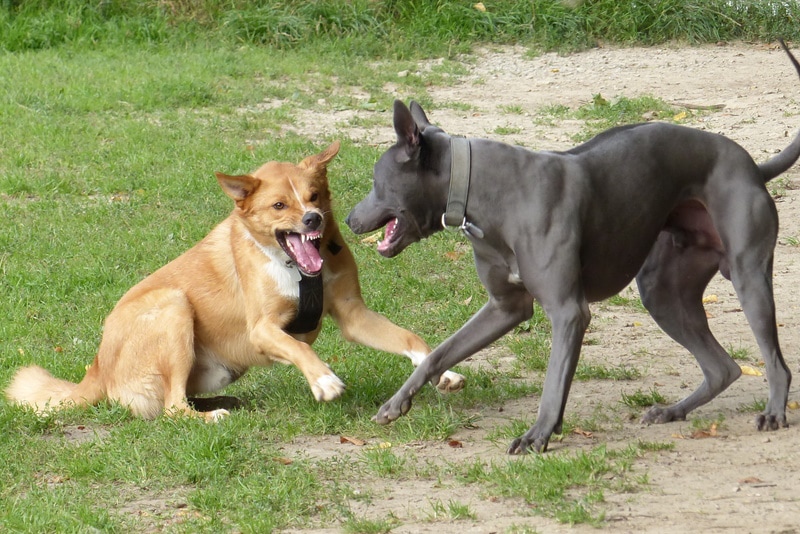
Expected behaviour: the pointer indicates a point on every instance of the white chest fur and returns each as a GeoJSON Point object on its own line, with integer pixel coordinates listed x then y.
{"type": "Point", "coordinates": [281, 269]}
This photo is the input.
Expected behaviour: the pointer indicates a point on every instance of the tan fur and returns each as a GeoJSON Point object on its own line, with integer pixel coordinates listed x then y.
{"type": "Point", "coordinates": [198, 323]}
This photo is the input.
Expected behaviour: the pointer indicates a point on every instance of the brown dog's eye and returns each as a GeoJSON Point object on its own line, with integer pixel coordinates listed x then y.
{"type": "Point", "coordinates": [279, 205]}
{"type": "Point", "coordinates": [314, 197]}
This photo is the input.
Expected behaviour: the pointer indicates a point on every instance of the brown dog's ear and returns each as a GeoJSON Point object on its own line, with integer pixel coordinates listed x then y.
{"type": "Point", "coordinates": [322, 159]}
{"type": "Point", "coordinates": [238, 187]}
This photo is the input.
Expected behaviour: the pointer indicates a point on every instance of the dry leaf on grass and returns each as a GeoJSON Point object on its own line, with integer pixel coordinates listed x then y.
{"type": "Point", "coordinates": [454, 443]}
{"type": "Point", "coordinates": [751, 371]}
{"type": "Point", "coordinates": [453, 255]}
{"type": "Point", "coordinates": [353, 441]}
{"type": "Point", "coordinates": [372, 238]}
{"type": "Point", "coordinates": [703, 434]}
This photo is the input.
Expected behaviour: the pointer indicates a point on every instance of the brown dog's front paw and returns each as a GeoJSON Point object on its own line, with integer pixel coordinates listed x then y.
{"type": "Point", "coordinates": [215, 416]}
{"type": "Point", "coordinates": [451, 382]}
{"type": "Point", "coordinates": [327, 387]}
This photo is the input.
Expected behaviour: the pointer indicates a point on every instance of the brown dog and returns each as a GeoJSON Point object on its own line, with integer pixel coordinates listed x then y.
{"type": "Point", "coordinates": [251, 293]}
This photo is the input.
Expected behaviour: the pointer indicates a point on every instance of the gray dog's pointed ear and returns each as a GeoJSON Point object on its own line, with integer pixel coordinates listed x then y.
{"type": "Point", "coordinates": [406, 129]}
{"type": "Point", "coordinates": [419, 116]}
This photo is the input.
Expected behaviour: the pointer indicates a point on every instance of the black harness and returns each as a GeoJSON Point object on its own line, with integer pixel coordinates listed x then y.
{"type": "Point", "coordinates": [309, 304]}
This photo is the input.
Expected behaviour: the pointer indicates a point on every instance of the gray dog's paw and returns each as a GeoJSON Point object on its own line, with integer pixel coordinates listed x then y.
{"type": "Point", "coordinates": [523, 445]}
{"type": "Point", "coordinates": [766, 421]}
{"type": "Point", "coordinates": [392, 410]}
{"type": "Point", "coordinates": [659, 415]}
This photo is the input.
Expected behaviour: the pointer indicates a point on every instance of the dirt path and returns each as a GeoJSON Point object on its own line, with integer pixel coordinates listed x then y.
{"type": "Point", "coordinates": [740, 480]}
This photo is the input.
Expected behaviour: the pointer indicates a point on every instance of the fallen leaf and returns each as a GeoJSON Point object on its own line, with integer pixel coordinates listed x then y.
{"type": "Point", "coordinates": [480, 7]}
{"type": "Point", "coordinates": [385, 445]}
{"type": "Point", "coordinates": [455, 443]}
{"type": "Point", "coordinates": [680, 116]}
{"type": "Point", "coordinates": [582, 432]}
{"type": "Point", "coordinates": [58, 349]}
{"type": "Point", "coordinates": [353, 441]}
{"type": "Point", "coordinates": [283, 460]}
{"type": "Point", "coordinates": [751, 371]}
{"type": "Point", "coordinates": [793, 405]}
{"type": "Point", "coordinates": [709, 316]}
{"type": "Point", "coordinates": [469, 299]}
{"type": "Point", "coordinates": [702, 434]}
{"type": "Point", "coordinates": [751, 480]}
{"type": "Point", "coordinates": [678, 436]}
{"type": "Point", "coordinates": [453, 255]}
{"type": "Point", "coordinates": [372, 238]}
{"type": "Point", "coordinates": [637, 323]}
{"type": "Point", "coordinates": [709, 299]}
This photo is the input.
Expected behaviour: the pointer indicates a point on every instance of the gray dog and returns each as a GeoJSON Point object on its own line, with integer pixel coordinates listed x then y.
{"type": "Point", "coordinates": [666, 204]}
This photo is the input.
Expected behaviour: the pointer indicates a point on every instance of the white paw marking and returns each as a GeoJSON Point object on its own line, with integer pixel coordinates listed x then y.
{"type": "Point", "coordinates": [415, 357]}
{"type": "Point", "coordinates": [451, 382]}
{"type": "Point", "coordinates": [328, 387]}
{"type": "Point", "coordinates": [215, 416]}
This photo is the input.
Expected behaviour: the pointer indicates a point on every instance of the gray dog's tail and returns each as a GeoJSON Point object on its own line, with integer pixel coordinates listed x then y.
{"type": "Point", "coordinates": [786, 158]}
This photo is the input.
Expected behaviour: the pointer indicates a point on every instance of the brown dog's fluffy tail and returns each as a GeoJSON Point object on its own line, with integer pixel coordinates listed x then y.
{"type": "Point", "coordinates": [36, 387]}
{"type": "Point", "coordinates": [785, 158]}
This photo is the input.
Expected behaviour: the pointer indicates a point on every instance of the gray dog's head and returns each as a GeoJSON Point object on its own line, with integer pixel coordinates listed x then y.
{"type": "Point", "coordinates": [408, 193]}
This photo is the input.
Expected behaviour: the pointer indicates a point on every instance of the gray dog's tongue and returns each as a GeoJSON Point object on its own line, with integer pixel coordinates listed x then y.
{"type": "Point", "coordinates": [305, 253]}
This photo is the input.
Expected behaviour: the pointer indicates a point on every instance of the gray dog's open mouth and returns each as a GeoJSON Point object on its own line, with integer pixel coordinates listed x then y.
{"type": "Point", "coordinates": [303, 249]}
{"type": "Point", "coordinates": [390, 236]}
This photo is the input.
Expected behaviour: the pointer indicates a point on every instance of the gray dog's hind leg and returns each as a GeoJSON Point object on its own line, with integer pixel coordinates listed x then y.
{"type": "Point", "coordinates": [750, 250]}
{"type": "Point", "coordinates": [671, 284]}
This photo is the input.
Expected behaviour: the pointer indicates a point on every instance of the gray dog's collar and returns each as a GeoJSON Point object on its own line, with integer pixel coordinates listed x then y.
{"type": "Point", "coordinates": [455, 215]}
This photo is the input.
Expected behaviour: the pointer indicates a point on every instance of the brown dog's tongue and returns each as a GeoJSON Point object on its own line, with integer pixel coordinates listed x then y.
{"type": "Point", "coordinates": [305, 253]}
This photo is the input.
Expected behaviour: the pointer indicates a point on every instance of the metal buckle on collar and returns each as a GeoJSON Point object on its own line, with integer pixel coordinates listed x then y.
{"type": "Point", "coordinates": [466, 227]}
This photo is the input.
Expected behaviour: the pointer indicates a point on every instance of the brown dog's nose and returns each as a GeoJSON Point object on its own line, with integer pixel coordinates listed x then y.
{"type": "Point", "coordinates": [312, 220]}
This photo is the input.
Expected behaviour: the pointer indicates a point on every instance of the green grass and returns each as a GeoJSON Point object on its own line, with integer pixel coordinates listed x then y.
{"type": "Point", "coordinates": [389, 28]}
{"type": "Point", "coordinates": [568, 487]}
{"type": "Point", "coordinates": [643, 399]}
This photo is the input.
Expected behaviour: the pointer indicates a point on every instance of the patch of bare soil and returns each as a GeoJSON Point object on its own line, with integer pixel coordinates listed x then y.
{"type": "Point", "coordinates": [739, 480]}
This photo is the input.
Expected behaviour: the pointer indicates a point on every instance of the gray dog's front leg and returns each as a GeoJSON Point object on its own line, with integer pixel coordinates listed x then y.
{"type": "Point", "coordinates": [569, 325]}
{"type": "Point", "coordinates": [489, 324]}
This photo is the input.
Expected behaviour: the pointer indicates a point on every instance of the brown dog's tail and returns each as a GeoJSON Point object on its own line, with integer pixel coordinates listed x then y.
{"type": "Point", "coordinates": [36, 387]}
{"type": "Point", "coordinates": [786, 158]}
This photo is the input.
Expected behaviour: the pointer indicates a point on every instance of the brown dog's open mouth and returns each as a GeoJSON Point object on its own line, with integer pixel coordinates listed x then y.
{"type": "Point", "coordinates": [303, 249]}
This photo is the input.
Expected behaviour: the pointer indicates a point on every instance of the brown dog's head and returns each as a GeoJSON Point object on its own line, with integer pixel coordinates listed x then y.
{"type": "Point", "coordinates": [286, 205]}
